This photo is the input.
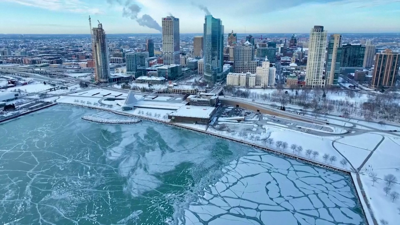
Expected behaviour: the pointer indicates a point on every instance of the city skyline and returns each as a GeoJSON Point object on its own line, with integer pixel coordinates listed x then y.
{"type": "Point", "coordinates": [272, 16]}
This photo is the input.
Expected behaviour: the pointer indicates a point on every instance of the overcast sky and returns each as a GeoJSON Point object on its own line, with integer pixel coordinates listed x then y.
{"type": "Point", "coordinates": [250, 16]}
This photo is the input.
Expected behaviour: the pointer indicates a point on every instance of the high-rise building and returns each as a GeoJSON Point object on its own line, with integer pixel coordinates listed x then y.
{"type": "Point", "coordinates": [262, 74]}
{"type": "Point", "coordinates": [244, 58]}
{"type": "Point", "coordinates": [232, 39]}
{"type": "Point", "coordinates": [171, 41]}
{"type": "Point", "coordinates": [316, 57]}
{"type": "Point", "coordinates": [271, 76]}
{"type": "Point", "coordinates": [370, 52]}
{"type": "Point", "coordinates": [213, 48]}
{"type": "Point", "coordinates": [352, 55]}
{"type": "Point", "coordinates": [136, 63]}
{"type": "Point", "coordinates": [100, 54]}
{"type": "Point", "coordinates": [386, 69]}
{"type": "Point", "coordinates": [150, 47]}
{"type": "Point", "coordinates": [293, 42]}
{"type": "Point", "coordinates": [198, 46]}
{"type": "Point", "coordinates": [250, 39]}
{"type": "Point", "coordinates": [333, 59]}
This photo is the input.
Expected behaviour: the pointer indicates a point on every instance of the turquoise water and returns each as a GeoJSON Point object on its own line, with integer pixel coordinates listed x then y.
{"type": "Point", "coordinates": [58, 169]}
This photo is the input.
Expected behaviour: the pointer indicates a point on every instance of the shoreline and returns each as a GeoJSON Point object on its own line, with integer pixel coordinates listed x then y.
{"type": "Point", "coordinates": [26, 113]}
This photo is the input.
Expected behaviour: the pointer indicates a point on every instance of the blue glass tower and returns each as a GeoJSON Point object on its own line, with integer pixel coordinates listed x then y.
{"type": "Point", "coordinates": [213, 49]}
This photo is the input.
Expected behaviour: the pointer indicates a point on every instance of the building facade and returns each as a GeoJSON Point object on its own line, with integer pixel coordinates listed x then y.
{"type": "Point", "coordinates": [213, 49]}
{"type": "Point", "coordinates": [100, 54]}
{"type": "Point", "coordinates": [150, 47]}
{"type": "Point", "coordinates": [171, 40]}
{"type": "Point", "coordinates": [247, 80]}
{"type": "Point", "coordinates": [386, 69]}
{"type": "Point", "coordinates": [333, 59]}
{"type": "Point", "coordinates": [244, 58]}
{"type": "Point", "coordinates": [198, 46]}
{"type": "Point", "coordinates": [136, 63]}
{"type": "Point", "coordinates": [316, 57]}
{"type": "Point", "coordinates": [370, 52]}
{"type": "Point", "coordinates": [200, 66]}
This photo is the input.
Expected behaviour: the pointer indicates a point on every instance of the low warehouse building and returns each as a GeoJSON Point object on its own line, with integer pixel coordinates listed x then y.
{"type": "Point", "coordinates": [193, 114]}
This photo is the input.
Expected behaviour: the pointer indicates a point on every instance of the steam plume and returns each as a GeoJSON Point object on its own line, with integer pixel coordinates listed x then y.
{"type": "Point", "coordinates": [132, 10]}
{"type": "Point", "coordinates": [203, 8]}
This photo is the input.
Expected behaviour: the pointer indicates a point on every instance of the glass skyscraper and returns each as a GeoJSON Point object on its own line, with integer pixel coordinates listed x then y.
{"type": "Point", "coordinates": [353, 55]}
{"type": "Point", "coordinates": [213, 49]}
{"type": "Point", "coordinates": [333, 59]}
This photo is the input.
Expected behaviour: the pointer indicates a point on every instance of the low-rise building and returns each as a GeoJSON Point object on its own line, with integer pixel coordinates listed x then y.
{"type": "Point", "coordinates": [170, 72]}
{"type": "Point", "coordinates": [292, 80]}
{"type": "Point", "coordinates": [193, 115]}
{"type": "Point", "coordinates": [151, 80]}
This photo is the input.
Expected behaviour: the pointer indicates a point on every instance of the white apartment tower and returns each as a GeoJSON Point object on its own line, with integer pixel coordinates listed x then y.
{"type": "Point", "coordinates": [316, 56]}
{"type": "Point", "coordinates": [262, 74]}
{"type": "Point", "coordinates": [171, 41]}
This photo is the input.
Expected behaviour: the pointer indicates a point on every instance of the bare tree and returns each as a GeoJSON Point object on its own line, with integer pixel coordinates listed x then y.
{"type": "Point", "coordinates": [293, 147]}
{"type": "Point", "coordinates": [284, 145]}
{"type": "Point", "coordinates": [374, 177]}
{"type": "Point", "coordinates": [308, 153]}
{"type": "Point", "coordinates": [387, 190]}
{"type": "Point", "coordinates": [394, 196]}
{"type": "Point", "coordinates": [299, 150]}
{"type": "Point", "coordinates": [332, 159]}
{"type": "Point", "coordinates": [270, 141]}
{"type": "Point", "coordinates": [343, 162]}
{"type": "Point", "coordinates": [384, 222]}
{"type": "Point", "coordinates": [315, 154]}
{"type": "Point", "coordinates": [325, 157]}
{"type": "Point", "coordinates": [279, 144]}
{"type": "Point", "coordinates": [390, 179]}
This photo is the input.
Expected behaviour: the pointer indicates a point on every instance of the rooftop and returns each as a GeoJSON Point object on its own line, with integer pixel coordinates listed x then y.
{"type": "Point", "coordinates": [194, 111]}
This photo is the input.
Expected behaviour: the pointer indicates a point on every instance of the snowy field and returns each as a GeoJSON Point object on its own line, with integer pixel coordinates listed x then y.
{"type": "Point", "coordinates": [384, 161]}
{"type": "Point", "coordinates": [31, 88]}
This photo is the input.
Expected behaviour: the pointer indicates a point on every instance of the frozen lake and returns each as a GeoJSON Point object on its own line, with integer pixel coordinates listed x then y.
{"type": "Point", "coordinates": [58, 169]}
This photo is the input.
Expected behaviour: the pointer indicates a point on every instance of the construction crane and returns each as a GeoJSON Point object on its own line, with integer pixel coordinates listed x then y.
{"type": "Point", "coordinates": [90, 25]}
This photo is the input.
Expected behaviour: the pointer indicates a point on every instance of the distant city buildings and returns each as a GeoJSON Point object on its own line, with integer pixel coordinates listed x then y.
{"type": "Point", "coordinates": [150, 47]}
{"type": "Point", "coordinates": [244, 58]}
{"type": "Point", "coordinates": [386, 69]}
{"type": "Point", "coordinates": [333, 59]}
{"type": "Point", "coordinates": [213, 49]}
{"type": "Point", "coordinates": [370, 52]}
{"type": "Point", "coordinates": [171, 40]}
{"type": "Point", "coordinates": [316, 57]}
{"type": "Point", "coordinates": [198, 46]}
{"type": "Point", "coordinates": [100, 54]}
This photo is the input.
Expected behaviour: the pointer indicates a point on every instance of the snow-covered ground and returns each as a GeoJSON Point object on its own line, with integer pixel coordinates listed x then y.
{"type": "Point", "coordinates": [385, 160]}
{"type": "Point", "coordinates": [31, 88]}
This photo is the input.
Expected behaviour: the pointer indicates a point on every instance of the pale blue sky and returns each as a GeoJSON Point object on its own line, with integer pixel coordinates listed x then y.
{"type": "Point", "coordinates": [250, 16]}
